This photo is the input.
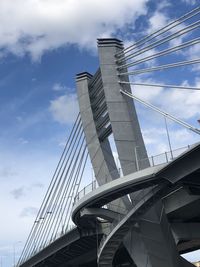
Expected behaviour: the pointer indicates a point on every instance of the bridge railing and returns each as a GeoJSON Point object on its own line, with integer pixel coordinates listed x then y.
{"type": "Point", "coordinates": [153, 161]}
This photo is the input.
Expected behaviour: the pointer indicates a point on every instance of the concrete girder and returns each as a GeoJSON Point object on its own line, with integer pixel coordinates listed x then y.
{"type": "Point", "coordinates": [186, 231]}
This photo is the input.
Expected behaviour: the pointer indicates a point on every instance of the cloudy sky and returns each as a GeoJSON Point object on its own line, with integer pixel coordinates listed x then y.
{"type": "Point", "coordinates": [43, 44]}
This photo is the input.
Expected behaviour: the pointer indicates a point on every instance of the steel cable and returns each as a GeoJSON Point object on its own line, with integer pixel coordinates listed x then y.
{"type": "Point", "coordinates": [66, 191]}
{"type": "Point", "coordinates": [57, 190]}
{"type": "Point", "coordinates": [49, 190]}
{"type": "Point", "coordinates": [65, 206]}
{"type": "Point", "coordinates": [73, 134]}
{"type": "Point", "coordinates": [162, 53]}
{"type": "Point", "coordinates": [162, 85]}
{"type": "Point", "coordinates": [76, 192]}
{"type": "Point", "coordinates": [166, 39]}
{"type": "Point", "coordinates": [166, 28]}
{"type": "Point", "coordinates": [162, 67]}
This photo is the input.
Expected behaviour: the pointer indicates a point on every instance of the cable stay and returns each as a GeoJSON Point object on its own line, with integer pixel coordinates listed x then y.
{"type": "Point", "coordinates": [63, 194]}
{"type": "Point", "coordinates": [45, 216]}
{"type": "Point", "coordinates": [53, 218]}
{"type": "Point", "coordinates": [162, 67]}
{"type": "Point", "coordinates": [155, 34]}
{"type": "Point", "coordinates": [57, 202]}
{"type": "Point", "coordinates": [166, 39]}
{"type": "Point", "coordinates": [166, 114]}
{"type": "Point", "coordinates": [162, 85]}
{"type": "Point", "coordinates": [49, 220]}
{"type": "Point", "coordinates": [49, 191]}
{"type": "Point", "coordinates": [162, 53]}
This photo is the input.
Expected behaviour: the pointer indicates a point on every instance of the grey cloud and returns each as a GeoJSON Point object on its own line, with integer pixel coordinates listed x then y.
{"type": "Point", "coordinates": [22, 191]}
{"type": "Point", "coordinates": [29, 212]}
{"type": "Point", "coordinates": [6, 172]}
{"type": "Point", "coordinates": [38, 185]}
{"type": "Point", "coordinates": [18, 192]}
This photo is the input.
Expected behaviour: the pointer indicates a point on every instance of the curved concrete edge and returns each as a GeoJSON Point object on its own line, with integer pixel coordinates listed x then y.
{"type": "Point", "coordinates": [116, 186]}
{"type": "Point", "coordinates": [180, 167]}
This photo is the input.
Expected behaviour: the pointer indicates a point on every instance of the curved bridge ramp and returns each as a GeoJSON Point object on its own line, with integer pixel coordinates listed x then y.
{"type": "Point", "coordinates": [110, 244]}
{"type": "Point", "coordinates": [154, 184]}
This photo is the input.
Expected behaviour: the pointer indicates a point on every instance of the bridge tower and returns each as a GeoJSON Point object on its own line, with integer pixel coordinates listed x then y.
{"type": "Point", "coordinates": [105, 111]}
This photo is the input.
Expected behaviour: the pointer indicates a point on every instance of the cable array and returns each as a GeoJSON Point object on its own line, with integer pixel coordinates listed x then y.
{"type": "Point", "coordinates": [54, 216]}
{"type": "Point", "coordinates": [159, 32]}
{"type": "Point", "coordinates": [159, 44]}
{"type": "Point", "coordinates": [164, 113]}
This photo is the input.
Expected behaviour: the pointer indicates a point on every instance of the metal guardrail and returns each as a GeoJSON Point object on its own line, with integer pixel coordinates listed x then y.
{"type": "Point", "coordinates": [153, 161]}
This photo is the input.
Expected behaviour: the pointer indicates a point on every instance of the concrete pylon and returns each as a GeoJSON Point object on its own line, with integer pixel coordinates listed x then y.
{"type": "Point", "coordinates": [99, 149]}
{"type": "Point", "coordinates": [121, 110]}
{"type": "Point", "coordinates": [104, 110]}
{"type": "Point", "coordinates": [94, 122]}
{"type": "Point", "coordinates": [153, 244]}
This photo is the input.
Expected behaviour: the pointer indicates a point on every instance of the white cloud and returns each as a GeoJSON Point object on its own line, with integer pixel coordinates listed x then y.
{"type": "Point", "coordinates": [146, 93]}
{"type": "Point", "coordinates": [193, 53]}
{"type": "Point", "coordinates": [181, 103]}
{"type": "Point", "coordinates": [64, 108]}
{"type": "Point", "coordinates": [40, 25]}
{"type": "Point", "coordinates": [190, 103]}
{"type": "Point", "coordinates": [157, 21]}
{"type": "Point", "coordinates": [29, 211]}
{"type": "Point", "coordinates": [58, 87]}
{"type": "Point", "coordinates": [19, 118]}
{"type": "Point", "coordinates": [23, 141]}
{"type": "Point", "coordinates": [189, 2]}
{"type": "Point", "coordinates": [160, 19]}
{"type": "Point", "coordinates": [157, 143]}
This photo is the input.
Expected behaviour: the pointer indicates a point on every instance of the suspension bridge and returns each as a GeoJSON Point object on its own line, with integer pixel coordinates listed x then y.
{"type": "Point", "coordinates": [146, 213]}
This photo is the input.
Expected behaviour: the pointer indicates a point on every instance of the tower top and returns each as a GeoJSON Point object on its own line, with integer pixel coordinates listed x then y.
{"type": "Point", "coordinates": [83, 75]}
{"type": "Point", "coordinates": [110, 42]}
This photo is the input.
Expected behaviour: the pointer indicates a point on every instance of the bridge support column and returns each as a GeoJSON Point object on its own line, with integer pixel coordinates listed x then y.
{"type": "Point", "coordinates": [153, 245]}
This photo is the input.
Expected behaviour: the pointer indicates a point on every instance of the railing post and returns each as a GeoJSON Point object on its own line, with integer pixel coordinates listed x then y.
{"type": "Point", "coordinates": [166, 157]}
{"type": "Point", "coordinates": [152, 158]}
{"type": "Point", "coordinates": [168, 137]}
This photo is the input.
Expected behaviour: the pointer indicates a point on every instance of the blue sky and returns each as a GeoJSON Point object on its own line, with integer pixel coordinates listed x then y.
{"type": "Point", "coordinates": [43, 44]}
